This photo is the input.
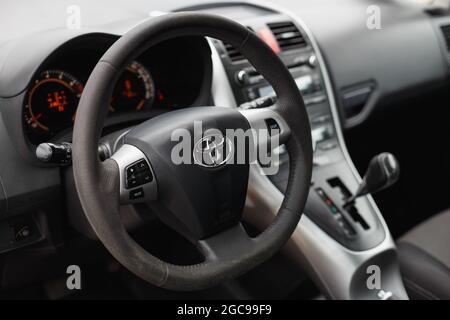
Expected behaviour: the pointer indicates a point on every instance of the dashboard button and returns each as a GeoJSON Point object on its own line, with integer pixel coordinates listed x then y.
{"type": "Point", "coordinates": [242, 77]}
{"type": "Point", "coordinates": [312, 61]}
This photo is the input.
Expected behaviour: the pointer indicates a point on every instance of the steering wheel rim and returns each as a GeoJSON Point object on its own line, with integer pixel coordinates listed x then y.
{"type": "Point", "coordinates": [228, 253]}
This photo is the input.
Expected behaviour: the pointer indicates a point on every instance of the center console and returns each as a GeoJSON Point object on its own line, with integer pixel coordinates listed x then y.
{"type": "Point", "coordinates": [336, 244]}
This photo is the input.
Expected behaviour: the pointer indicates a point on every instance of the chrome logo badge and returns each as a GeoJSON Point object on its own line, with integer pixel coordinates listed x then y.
{"type": "Point", "coordinates": [213, 150]}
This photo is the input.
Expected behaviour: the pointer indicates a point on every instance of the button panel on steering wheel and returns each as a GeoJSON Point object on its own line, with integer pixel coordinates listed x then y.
{"type": "Point", "coordinates": [137, 179]}
{"type": "Point", "coordinates": [138, 174]}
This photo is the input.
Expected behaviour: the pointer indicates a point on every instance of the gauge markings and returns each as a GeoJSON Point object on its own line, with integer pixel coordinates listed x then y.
{"type": "Point", "coordinates": [51, 103]}
{"type": "Point", "coordinates": [52, 99]}
{"type": "Point", "coordinates": [135, 89]}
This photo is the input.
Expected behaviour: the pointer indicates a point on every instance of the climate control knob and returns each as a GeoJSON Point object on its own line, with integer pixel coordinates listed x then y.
{"type": "Point", "coordinates": [242, 77]}
{"type": "Point", "coordinates": [312, 61]}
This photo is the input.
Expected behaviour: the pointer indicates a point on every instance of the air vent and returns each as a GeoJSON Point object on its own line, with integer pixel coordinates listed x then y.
{"type": "Point", "coordinates": [288, 35]}
{"type": "Point", "coordinates": [233, 53]}
{"type": "Point", "coordinates": [446, 32]}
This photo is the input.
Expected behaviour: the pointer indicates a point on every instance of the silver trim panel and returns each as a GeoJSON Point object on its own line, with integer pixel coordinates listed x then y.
{"type": "Point", "coordinates": [124, 157]}
{"type": "Point", "coordinates": [257, 119]}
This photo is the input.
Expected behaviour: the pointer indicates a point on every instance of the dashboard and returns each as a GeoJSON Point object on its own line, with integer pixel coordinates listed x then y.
{"type": "Point", "coordinates": [43, 74]}
{"type": "Point", "coordinates": [360, 84]}
{"type": "Point", "coordinates": [160, 80]}
{"type": "Point", "coordinates": [40, 59]}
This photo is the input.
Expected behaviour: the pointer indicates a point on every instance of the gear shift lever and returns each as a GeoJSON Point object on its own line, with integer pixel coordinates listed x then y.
{"type": "Point", "coordinates": [383, 171]}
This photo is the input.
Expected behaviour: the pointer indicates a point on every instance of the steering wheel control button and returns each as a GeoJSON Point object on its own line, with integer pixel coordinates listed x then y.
{"type": "Point", "coordinates": [137, 194]}
{"type": "Point", "coordinates": [131, 172]}
{"type": "Point", "coordinates": [137, 178]}
{"type": "Point", "coordinates": [138, 174]}
{"type": "Point", "coordinates": [272, 125]}
{"type": "Point", "coordinates": [146, 177]}
{"type": "Point", "coordinates": [142, 166]}
{"type": "Point", "coordinates": [132, 183]}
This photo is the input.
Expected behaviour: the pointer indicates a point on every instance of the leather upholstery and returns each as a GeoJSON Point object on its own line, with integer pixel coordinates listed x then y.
{"type": "Point", "coordinates": [424, 255]}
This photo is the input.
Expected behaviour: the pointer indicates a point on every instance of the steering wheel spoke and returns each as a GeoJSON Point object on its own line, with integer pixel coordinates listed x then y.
{"type": "Point", "coordinates": [137, 178]}
{"type": "Point", "coordinates": [226, 244]}
{"type": "Point", "coordinates": [268, 126]}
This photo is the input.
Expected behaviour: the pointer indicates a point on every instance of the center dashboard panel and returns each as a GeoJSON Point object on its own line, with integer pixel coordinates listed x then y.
{"type": "Point", "coordinates": [288, 41]}
{"type": "Point", "coordinates": [357, 232]}
{"type": "Point", "coordinates": [358, 228]}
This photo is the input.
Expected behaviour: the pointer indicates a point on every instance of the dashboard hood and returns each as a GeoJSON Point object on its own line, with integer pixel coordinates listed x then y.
{"type": "Point", "coordinates": [20, 57]}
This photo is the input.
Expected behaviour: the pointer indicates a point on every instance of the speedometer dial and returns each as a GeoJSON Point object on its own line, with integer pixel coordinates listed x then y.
{"type": "Point", "coordinates": [135, 89]}
{"type": "Point", "coordinates": [52, 99]}
{"type": "Point", "coordinates": [51, 104]}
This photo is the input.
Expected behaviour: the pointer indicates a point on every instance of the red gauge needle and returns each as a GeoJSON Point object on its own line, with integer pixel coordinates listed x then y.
{"type": "Point", "coordinates": [37, 117]}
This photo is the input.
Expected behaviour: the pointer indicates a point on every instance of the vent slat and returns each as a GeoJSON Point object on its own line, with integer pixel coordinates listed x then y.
{"type": "Point", "coordinates": [287, 35]}
{"type": "Point", "coordinates": [290, 41]}
{"type": "Point", "coordinates": [285, 29]}
{"type": "Point", "coordinates": [233, 53]}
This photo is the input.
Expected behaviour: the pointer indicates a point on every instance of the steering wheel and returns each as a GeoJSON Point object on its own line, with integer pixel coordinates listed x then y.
{"type": "Point", "coordinates": [204, 203]}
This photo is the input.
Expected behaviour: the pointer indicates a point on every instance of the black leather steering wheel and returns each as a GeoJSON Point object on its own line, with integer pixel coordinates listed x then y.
{"type": "Point", "coordinates": [204, 204]}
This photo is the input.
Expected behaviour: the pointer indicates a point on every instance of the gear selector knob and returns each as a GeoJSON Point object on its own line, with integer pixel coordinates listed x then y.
{"type": "Point", "coordinates": [383, 171]}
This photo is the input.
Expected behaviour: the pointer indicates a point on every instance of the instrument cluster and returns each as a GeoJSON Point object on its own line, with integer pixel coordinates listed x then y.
{"type": "Point", "coordinates": [158, 82]}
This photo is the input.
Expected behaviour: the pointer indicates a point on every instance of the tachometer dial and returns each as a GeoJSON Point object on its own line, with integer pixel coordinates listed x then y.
{"type": "Point", "coordinates": [135, 89]}
{"type": "Point", "coordinates": [51, 104]}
